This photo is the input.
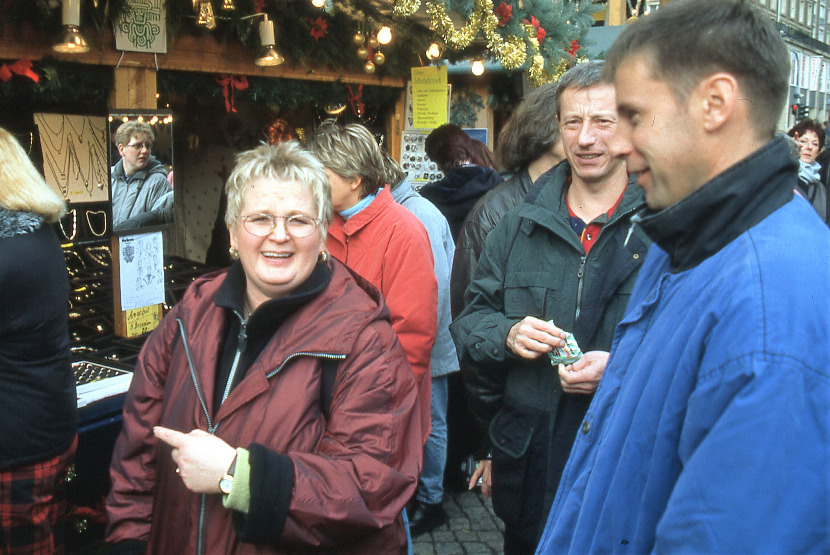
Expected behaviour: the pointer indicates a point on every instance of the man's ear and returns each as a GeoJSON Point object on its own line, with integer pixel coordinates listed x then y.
{"type": "Point", "coordinates": [720, 98]}
{"type": "Point", "coordinates": [356, 182]}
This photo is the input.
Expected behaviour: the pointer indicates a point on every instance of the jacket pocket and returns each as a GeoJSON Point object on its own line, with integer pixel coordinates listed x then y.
{"type": "Point", "coordinates": [526, 293]}
{"type": "Point", "coordinates": [519, 477]}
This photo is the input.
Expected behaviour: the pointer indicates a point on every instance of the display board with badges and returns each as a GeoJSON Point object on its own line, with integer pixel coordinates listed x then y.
{"type": "Point", "coordinates": [414, 160]}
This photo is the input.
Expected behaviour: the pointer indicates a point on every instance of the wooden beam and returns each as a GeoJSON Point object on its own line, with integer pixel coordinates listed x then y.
{"type": "Point", "coordinates": [616, 12]}
{"type": "Point", "coordinates": [185, 53]}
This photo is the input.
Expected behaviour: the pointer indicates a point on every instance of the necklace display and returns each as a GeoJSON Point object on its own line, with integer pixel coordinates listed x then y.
{"type": "Point", "coordinates": [74, 262]}
{"type": "Point", "coordinates": [89, 222]}
{"type": "Point", "coordinates": [100, 254]}
{"type": "Point", "coordinates": [70, 237]}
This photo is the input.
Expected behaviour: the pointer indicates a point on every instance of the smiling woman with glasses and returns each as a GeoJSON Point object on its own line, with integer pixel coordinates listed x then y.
{"type": "Point", "coordinates": [273, 409]}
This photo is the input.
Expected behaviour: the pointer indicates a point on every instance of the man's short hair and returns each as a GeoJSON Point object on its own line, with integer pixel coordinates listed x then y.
{"type": "Point", "coordinates": [127, 131]}
{"type": "Point", "coordinates": [688, 40]}
{"type": "Point", "coordinates": [581, 76]}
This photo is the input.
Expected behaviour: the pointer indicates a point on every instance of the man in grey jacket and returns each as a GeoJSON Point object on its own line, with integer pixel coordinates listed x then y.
{"type": "Point", "coordinates": [141, 194]}
{"type": "Point", "coordinates": [563, 260]}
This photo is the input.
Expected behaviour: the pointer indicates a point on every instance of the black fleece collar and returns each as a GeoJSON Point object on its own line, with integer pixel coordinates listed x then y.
{"type": "Point", "coordinates": [231, 294]}
{"type": "Point", "coordinates": [700, 225]}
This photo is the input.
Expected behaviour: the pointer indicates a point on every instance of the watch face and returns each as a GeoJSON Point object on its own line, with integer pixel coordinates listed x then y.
{"type": "Point", "coordinates": [225, 484]}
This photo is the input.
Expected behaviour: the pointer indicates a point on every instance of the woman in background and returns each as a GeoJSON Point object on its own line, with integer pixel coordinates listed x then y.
{"type": "Point", "coordinates": [468, 173]}
{"type": "Point", "coordinates": [809, 136]}
{"type": "Point", "coordinates": [383, 242]}
{"type": "Point", "coordinates": [38, 428]}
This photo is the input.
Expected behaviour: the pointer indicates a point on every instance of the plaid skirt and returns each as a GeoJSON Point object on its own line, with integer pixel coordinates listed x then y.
{"type": "Point", "coordinates": [30, 506]}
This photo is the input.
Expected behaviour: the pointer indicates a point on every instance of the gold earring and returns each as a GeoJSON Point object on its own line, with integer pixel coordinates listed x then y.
{"type": "Point", "coordinates": [234, 253]}
{"type": "Point", "coordinates": [324, 256]}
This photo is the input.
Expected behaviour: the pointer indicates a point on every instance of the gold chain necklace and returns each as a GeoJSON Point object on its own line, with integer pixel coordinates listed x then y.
{"type": "Point", "coordinates": [89, 222]}
{"type": "Point", "coordinates": [74, 225]}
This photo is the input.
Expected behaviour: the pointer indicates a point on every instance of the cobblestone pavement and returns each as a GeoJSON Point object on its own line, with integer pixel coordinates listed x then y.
{"type": "Point", "coordinates": [472, 528]}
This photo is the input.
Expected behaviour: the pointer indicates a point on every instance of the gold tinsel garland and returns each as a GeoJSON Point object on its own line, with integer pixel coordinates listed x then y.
{"type": "Point", "coordinates": [405, 8]}
{"type": "Point", "coordinates": [511, 51]}
{"type": "Point", "coordinates": [443, 25]}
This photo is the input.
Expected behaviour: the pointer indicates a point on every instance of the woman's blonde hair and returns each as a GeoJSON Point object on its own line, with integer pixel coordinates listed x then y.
{"type": "Point", "coordinates": [285, 161]}
{"type": "Point", "coordinates": [22, 187]}
{"type": "Point", "coordinates": [350, 151]}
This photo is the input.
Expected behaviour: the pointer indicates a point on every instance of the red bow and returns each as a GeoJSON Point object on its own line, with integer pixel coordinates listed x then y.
{"type": "Point", "coordinates": [356, 100]}
{"type": "Point", "coordinates": [22, 67]}
{"type": "Point", "coordinates": [228, 84]}
{"type": "Point", "coordinates": [540, 32]}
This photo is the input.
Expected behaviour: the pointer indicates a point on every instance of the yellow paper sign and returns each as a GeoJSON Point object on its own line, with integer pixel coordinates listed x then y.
{"type": "Point", "coordinates": [141, 320]}
{"type": "Point", "coordinates": [429, 96]}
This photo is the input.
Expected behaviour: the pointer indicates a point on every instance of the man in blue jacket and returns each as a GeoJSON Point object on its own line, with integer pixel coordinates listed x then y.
{"type": "Point", "coordinates": [709, 431]}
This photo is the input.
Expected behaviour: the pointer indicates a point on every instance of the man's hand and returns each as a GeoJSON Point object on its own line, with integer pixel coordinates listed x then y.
{"type": "Point", "coordinates": [532, 338]}
{"type": "Point", "coordinates": [202, 459]}
{"type": "Point", "coordinates": [583, 375]}
{"type": "Point", "coordinates": [483, 471]}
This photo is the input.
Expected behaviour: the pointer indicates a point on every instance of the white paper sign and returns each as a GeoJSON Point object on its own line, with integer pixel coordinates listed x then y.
{"type": "Point", "coordinates": [141, 260]}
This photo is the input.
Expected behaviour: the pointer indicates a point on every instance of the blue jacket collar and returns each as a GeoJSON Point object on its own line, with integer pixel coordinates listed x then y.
{"type": "Point", "coordinates": [700, 225]}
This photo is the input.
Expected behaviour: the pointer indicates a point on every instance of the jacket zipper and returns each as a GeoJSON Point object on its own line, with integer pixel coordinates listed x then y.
{"type": "Point", "coordinates": [580, 275]}
{"type": "Point", "coordinates": [241, 342]}
{"type": "Point", "coordinates": [213, 427]}
{"type": "Point", "coordinates": [211, 430]}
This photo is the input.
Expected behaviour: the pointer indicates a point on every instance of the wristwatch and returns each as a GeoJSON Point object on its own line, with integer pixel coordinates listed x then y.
{"type": "Point", "coordinates": [226, 483]}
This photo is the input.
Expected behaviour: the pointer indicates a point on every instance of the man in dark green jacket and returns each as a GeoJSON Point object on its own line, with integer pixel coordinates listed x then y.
{"type": "Point", "coordinates": [564, 260]}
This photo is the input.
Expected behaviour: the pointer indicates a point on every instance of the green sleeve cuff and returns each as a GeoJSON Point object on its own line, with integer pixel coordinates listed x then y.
{"type": "Point", "coordinates": [239, 499]}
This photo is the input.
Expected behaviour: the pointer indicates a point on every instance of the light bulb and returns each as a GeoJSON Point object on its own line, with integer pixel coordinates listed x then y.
{"type": "Point", "coordinates": [318, 3]}
{"type": "Point", "coordinates": [434, 51]}
{"type": "Point", "coordinates": [385, 35]}
{"type": "Point", "coordinates": [478, 67]}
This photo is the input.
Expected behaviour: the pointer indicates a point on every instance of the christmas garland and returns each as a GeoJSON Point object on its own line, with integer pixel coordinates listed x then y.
{"type": "Point", "coordinates": [530, 35]}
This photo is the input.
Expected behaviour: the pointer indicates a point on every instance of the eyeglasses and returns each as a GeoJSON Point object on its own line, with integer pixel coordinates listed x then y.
{"type": "Point", "coordinates": [139, 146]}
{"type": "Point", "coordinates": [261, 225]}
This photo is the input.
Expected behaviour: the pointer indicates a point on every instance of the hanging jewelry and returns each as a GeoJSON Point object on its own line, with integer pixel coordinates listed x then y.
{"type": "Point", "coordinates": [89, 222]}
{"type": "Point", "coordinates": [100, 254]}
{"type": "Point", "coordinates": [233, 252]}
{"type": "Point", "coordinates": [70, 237]}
